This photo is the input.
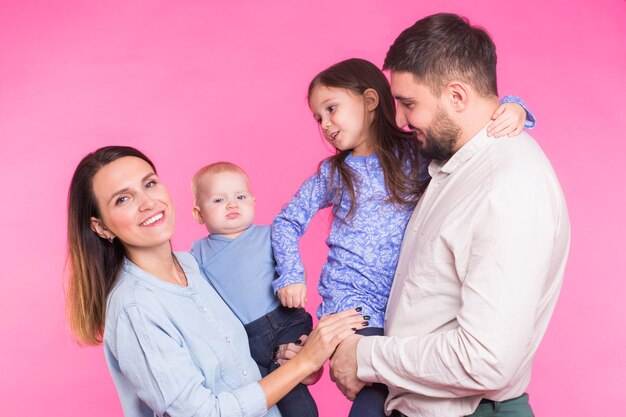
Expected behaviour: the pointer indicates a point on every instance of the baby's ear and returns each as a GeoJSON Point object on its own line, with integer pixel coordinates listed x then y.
{"type": "Point", "coordinates": [197, 214]}
{"type": "Point", "coordinates": [371, 99]}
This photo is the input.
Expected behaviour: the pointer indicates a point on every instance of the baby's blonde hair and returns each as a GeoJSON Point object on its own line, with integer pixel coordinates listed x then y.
{"type": "Point", "coordinates": [215, 168]}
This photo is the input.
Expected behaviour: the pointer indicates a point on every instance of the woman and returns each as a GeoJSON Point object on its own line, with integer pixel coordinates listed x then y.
{"type": "Point", "coordinates": [172, 346]}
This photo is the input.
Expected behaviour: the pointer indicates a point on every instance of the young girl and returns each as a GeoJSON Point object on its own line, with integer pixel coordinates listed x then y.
{"type": "Point", "coordinates": [373, 183]}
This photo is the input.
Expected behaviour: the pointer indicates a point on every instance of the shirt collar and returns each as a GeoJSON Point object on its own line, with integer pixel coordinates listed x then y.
{"type": "Point", "coordinates": [471, 148]}
{"type": "Point", "coordinates": [190, 269]}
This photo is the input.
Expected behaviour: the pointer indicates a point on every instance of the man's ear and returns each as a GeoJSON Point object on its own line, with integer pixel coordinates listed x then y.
{"type": "Point", "coordinates": [101, 230]}
{"type": "Point", "coordinates": [456, 94]}
{"type": "Point", "coordinates": [197, 214]}
{"type": "Point", "coordinates": [371, 99]}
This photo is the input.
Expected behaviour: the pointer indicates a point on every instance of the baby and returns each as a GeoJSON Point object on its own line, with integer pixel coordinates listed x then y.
{"type": "Point", "coordinates": [236, 257]}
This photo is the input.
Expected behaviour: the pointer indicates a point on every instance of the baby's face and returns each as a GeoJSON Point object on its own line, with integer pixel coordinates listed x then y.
{"type": "Point", "coordinates": [225, 203]}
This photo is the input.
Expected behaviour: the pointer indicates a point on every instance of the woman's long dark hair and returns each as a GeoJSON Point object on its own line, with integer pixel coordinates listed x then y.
{"type": "Point", "coordinates": [94, 263]}
{"type": "Point", "coordinates": [396, 149]}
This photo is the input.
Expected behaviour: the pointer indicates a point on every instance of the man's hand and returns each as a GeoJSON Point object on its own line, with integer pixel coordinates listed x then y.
{"type": "Point", "coordinates": [293, 296]}
{"type": "Point", "coordinates": [343, 368]}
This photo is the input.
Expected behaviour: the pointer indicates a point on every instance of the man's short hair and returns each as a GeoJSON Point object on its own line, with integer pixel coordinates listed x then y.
{"type": "Point", "coordinates": [445, 47]}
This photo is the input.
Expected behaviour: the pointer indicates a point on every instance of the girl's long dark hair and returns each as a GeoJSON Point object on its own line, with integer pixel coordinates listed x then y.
{"type": "Point", "coordinates": [94, 263]}
{"type": "Point", "coordinates": [396, 149]}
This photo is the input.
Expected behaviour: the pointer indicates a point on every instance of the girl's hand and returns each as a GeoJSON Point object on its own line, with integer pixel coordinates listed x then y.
{"type": "Point", "coordinates": [329, 332]}
{"type": "Point", "coordinates": [293, 296]}
{"type": "Point", "coordinates": [508, 119]}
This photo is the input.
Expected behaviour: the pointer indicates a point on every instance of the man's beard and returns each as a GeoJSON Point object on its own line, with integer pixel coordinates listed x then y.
{"type": "Point", "coordinates": [440, 138]}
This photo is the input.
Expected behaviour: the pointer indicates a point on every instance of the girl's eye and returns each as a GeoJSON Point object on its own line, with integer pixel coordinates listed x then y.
{"type": "Point", "coordinates": [331, 109]}
{"type": "Point", "coordinates": [121, 200]}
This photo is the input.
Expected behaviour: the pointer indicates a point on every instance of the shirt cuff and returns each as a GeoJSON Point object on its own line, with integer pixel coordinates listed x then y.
{"type": "Point", "coordinates": [285, 280]}
{"type": "Point", "coordinates": [530, 121]}
{"type": "Point", "coordinates": [364, 352]}
{"type": "Point", "coordinates": [252, 400]}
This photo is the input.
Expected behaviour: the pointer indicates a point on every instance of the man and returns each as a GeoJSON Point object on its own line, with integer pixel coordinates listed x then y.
{"type": "Point", "coordinates": [483, 255]}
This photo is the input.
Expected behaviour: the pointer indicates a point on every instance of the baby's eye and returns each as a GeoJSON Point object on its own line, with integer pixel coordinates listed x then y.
{"type": "Point", "coordinates": [331, 109]}
{"type": "Point", "coordinates": [242, 197]}
{"type": "Point", "coordinates": [218, 200]}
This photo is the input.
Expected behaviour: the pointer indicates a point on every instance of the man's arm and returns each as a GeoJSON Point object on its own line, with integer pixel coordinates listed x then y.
{"type": "Point", "coordinates": [503, 290]}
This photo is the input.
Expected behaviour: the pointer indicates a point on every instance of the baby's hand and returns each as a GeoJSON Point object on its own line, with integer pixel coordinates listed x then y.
{"type": "Point", "coordinates": [293, 296]}
{"type": "Point", "coordinates": [508, 119]}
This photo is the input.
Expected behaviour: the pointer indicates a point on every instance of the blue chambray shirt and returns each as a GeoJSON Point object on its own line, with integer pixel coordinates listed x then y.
{"type": "Point", "coordinates": [179, 351]}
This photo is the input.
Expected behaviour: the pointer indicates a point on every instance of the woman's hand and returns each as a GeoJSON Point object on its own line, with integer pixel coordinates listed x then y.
{"type": "Point", "coordinates": [289, 351]}
{"type": "Point", "coordinates": [326, 336]}
{"type": "Point", "coordinates": [321, 343]}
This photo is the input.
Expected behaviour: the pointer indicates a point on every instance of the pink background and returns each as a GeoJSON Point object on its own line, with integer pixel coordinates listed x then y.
{"type": "Point", "coordinates": [193, 82]}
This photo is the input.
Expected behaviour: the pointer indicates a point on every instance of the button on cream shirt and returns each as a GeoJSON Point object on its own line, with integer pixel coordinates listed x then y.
{"type": "Point", "coordinates": [479, 275]}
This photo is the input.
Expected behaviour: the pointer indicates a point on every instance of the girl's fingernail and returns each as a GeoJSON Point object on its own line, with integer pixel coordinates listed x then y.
{"type": "Point", "coordinates": [365, 323]}
{"type": "Point", "coordinates": [366, 317]}
{"type": "Point", "coordinates": [358, 309]}
{"type": "Point", "coordinates": [298, 342]}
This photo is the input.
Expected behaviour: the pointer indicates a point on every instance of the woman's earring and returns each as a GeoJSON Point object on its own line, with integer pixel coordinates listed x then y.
{"type": "Point", "coordinates": [110, 239]}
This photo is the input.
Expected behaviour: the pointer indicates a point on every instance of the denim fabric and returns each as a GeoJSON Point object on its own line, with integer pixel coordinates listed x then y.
{"type": "Point", "coordinates": [280, 326]}
{"type": "Point", "coordinates": [370, 402]}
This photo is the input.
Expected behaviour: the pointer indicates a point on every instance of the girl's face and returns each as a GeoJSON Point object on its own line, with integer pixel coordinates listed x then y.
{"type": "Point", "coordinates": [135, 207]}
{"type": "Point", "coordinates": [344, 118]}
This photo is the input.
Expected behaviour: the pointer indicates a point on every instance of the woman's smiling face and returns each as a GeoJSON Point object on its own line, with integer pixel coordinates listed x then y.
{"type": "Point", "coordinates": [135, 207]}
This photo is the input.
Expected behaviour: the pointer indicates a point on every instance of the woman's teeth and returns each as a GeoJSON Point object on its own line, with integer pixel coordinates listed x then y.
{"type": "Point", "coordinates": [153, 219]}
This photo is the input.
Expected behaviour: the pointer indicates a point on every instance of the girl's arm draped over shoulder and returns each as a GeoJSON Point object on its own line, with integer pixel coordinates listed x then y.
{"type": "Point", "coordinates": [291, 223]}
{"type": "Point", "coordinates": [510, 118]}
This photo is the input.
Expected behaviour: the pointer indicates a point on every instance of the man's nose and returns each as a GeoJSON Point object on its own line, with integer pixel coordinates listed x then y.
{"type": "Point", "coordinates": [401, 119]}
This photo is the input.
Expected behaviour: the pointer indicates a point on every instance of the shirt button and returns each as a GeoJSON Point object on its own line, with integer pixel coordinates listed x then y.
{"type": "Point", "coordinates": [244, 373]}
{"type": "Point", "coordinates": [228, 339]}
{"type": "Point", "coordinates": [205, 309]}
